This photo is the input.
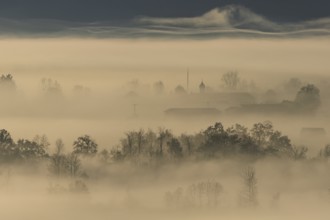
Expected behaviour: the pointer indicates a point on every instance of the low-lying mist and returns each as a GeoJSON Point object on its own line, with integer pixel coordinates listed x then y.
{"type": "Point", "coordinates": [206, 190]}
{"type": "Point", "coordinates": [159, 129]}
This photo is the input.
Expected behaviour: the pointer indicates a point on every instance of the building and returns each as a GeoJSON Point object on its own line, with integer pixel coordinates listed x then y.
{"type": "Point", "coordinates": [192, 112]}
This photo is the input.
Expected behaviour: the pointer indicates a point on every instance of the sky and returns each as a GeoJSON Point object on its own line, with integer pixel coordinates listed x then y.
{"type": "Point", "coordinates": [117, 10]}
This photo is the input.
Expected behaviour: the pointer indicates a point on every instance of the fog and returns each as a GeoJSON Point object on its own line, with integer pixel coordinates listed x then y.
{"type": "Point", "coordinates": [285, 190]}
{"type": "Point", "coordinates": [106, 88]}
{"type": "Point", "coordinates": [107, 67]}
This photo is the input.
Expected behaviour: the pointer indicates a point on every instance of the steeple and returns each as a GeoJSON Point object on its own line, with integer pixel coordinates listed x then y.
{"type": "Point", "coordinates": [202, 87]}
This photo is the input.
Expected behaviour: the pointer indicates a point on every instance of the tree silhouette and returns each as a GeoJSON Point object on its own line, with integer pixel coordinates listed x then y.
{"type": "Point", "coordinates": [7, 82]}
{"type": "Point", "coordinates": [73, 164]}
{"type": "Point", "coordinates": [140, 139]}
{"type": "Point", "coordinates": [159, 87]}
{"type": "Point", "coordinates": [187, 142]}
{"type": "Point", "coordinates": [128, 143]}
{"type": "Point", "coordinates": [174, 148]}
{"type": "Point", "coordinates": [293, 85]}
{"type": "Point", "coordinates": [42, 140]}
{"type": "Point", "coordinates": [163, 135]}
{"type": "Point", "coordinates": [279, 145]}
{"type": "Point", "coordinates": [325, 152]}
{"type": "Point", "coordinates": [248, 195]}
{"type": "Point", "coordinates": [30, 149]}
{"type": "Point", "coordinates": [7, 145]}
{"type": "Point", "coordinates": [261, 132]}
{"type": "Point", "coordinates": [85, 145]}
{"type": "Point", "coordinates": [308, 98]}
{"type": "Point", "coordinates": [51, 87]}
{"type": "Point", "coordinates": [58, 160]}
{"type": "Point", "coordinates": [231, 80]}
{"type": "Point", "coordinates": [299, 152]}
{"type": "Point", "coordinates": [179, 90]}
{"type": "Point", "coordinates": [215, 140]}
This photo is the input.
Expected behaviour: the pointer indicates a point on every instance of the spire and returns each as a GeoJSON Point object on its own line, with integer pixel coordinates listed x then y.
{"type": "Point", "coordinates": [188, 80]}
{"type": "Point", "coordinates": [202, 87]}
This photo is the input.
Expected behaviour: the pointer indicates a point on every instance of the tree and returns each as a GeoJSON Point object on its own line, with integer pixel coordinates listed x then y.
{"type": "Point", "coordinates": [261, 132]}
{"type": "Point", "coordinates": [270, 97]}
{"type": "Point", "coordinates": [215, 141]}
{"type": "Point", "coordinates": [159, 88]}
{"type": "Point", "coordinates": [7, 145]}
{"type": "Point", "coordinates": [242, 141]}
{"type": "Point", "coordinates": [187, 141]}
{"type": "Point", "coordinates": [151, 142]}
{"type": "Point", "coordinates": [299, 152]}
{"type": "Point", "coordinates": [163, 135]}
{"type": "Point", "coordinates": [85, 145]}
{"type": "Point", "coordinates": [238, 129]}
{"type": "Point", "coordinates": [30, 149]}
{"type": "Point", "coordinates": [140, 139]}
{"type": "Point", "coordinates": [81, 91]}
{"type": "Point", "coordinates": [78, 186]}
{"type": "Point", "coordinates": [293, 85]}
{"type": "Point", "coordinates": [104, 156]}
{"type": "Point", "coordinates": [248, 195]}
{"type": "Point", "coordinates": [179, 90]}
{"type": "Point", "coordinates": [58, 160]}
{"type": "Point", "coordinates": [42, 141]}
{"type": "Point", "coordinates": [7, 82]}
{"type": "Point", "coordinates": [5, 140]}
{"type": "Point", "coordinates": [174, 148]}
{"type": "Point", "coordinates": [231, 80]}
{"type": "Point", "coordinates": [128, 143]}
{"type": "Point", "coordinates": [198, 195]}
{"type": "Point", "coordinates": [117, 155]}
{"type": "Point", "coordinates": [308, 98]}
{"type": "Point", "coordinates": [51, 87]}
{"type": "Point", "coordinates": [73, 164]}
{"type": "Point", "coordinates": [279, 145]}
{"type": "Point", "coordinates": [325, 152]}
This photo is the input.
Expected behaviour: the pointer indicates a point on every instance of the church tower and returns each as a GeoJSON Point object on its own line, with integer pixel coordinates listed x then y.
{"type": "Point", "coordinates": [202, 87]}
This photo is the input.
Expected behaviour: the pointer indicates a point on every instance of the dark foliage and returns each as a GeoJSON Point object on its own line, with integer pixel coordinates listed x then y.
{"type": "Point", "coordinates": [85, 145]}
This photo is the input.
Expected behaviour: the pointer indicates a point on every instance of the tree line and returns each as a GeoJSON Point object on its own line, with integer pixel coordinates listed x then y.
{"type": "Point", "coordinates": [212, 143]}
{"type": "Point", "coordinates": [151, 147]}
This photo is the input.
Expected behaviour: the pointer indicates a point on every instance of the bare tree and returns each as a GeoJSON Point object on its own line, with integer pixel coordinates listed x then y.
{"type": "Point", "coordinates": [248, 195]}
{"type": "Point", "coordinates": [231, 80]}
{"type": "Point", "coordinates": [58, 160]}
{"type": "Point", "coordinates": [299, 152]}
{"type": "Point", "coordinates": [73, 164]}
{"type": "Point", "coordinates": [204, 194]}
{"type": "Point", "coordinates": [51, 87]}
{"type": "Point", "coordinates": [42, 140]}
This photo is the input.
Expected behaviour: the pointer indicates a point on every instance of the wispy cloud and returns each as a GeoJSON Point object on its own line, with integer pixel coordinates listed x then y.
{"type": "Point", "coordinates": [230, 21]}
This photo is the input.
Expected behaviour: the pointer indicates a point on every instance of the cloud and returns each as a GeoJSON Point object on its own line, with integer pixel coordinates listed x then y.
{"type": "Point", "coordinates": [238, 21]}
{"type": "Point", "coordinates": [229, 21]}
{"type": "Point", "coordinates": [228, 17]}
